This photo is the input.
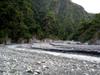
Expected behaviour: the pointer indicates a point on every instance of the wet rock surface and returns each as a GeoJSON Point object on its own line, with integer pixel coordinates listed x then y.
{"type": "Point", "coordinates": [20, 62]}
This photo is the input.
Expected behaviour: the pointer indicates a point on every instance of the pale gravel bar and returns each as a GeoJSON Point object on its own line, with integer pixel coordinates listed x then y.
{"type": "Point", "coordinates": [20, 62]}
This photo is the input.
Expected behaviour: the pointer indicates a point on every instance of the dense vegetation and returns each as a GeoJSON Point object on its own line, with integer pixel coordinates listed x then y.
{"type": "Point", "coordinates": [55, 19]}
{"type": "Point", "coordinates": [88, 31]}
{"type": "Point", "coordinates": [16, 19]}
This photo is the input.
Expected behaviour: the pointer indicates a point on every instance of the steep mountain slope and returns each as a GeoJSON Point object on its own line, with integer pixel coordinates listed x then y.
{"type": "Point", "coordinates": [67, 14]}
{"type": "Point", "coordinates": [89, 31]}
{"type": "Point", "coordinates": [23, 19]}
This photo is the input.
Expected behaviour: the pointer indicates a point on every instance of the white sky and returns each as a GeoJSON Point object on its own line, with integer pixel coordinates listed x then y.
{"type": "Point", "coordinates": [91, 6]}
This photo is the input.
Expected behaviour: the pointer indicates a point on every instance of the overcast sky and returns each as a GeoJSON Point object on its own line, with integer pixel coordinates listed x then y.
{"type": "Point", "coordinates": [91, 6]}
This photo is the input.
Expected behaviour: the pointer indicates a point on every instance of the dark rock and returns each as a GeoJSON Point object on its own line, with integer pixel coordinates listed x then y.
{"type": "Point", "coordinates": [1, 71]}
{"type": "Point", "coordinates": [37, 72]}
{"type": "Point", "coordinates": [30, 71]}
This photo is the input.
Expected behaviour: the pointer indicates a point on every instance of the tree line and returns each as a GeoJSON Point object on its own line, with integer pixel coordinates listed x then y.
{"type": "Point", "coordinates": [24, 19]}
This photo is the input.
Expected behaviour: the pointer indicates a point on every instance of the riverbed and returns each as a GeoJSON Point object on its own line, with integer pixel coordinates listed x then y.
{"type": "Point", "coordinates": [24, 61]}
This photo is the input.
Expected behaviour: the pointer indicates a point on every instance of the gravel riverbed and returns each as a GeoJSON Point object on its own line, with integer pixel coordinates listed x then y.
{"type": "Point", "coordinates": [22, 62]}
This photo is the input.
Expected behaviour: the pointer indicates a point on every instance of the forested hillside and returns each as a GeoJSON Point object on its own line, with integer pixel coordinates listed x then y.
{"type": "Point", "coordinates": [24, 19]}
{"type": "Point", "coordinates": [88, 31]}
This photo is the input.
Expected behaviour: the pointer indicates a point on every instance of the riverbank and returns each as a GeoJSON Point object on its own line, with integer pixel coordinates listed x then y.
{"type": "Point", "coordinates": [22, 61]}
